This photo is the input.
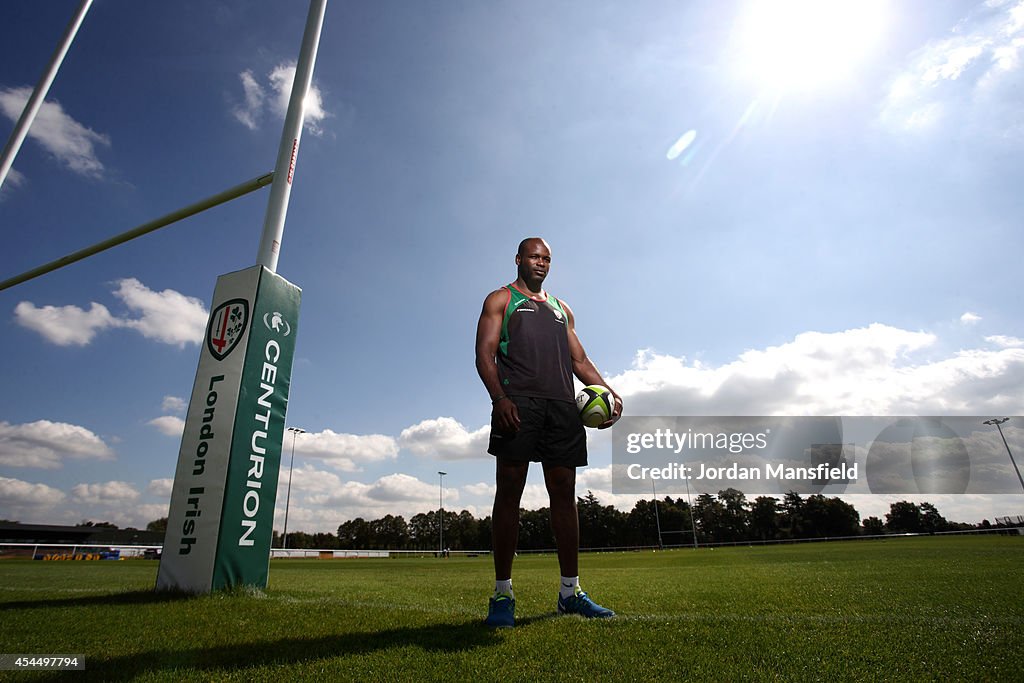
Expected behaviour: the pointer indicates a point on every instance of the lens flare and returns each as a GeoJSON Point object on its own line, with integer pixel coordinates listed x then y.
{"type": "Point", "coordinates": [681, 144]}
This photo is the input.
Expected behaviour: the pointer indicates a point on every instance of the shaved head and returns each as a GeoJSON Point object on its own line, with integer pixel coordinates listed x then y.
{"type": "Point", "coordinates": [526, 243]}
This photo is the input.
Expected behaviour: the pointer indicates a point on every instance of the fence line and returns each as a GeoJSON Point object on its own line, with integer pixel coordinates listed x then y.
{"type": "Point", "coordinates": [77, 548]}
{"type": "Point", "coordinates": [334, 553]}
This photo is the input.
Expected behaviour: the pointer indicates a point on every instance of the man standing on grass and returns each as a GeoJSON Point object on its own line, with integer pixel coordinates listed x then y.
{"type": "Point", "coordinates": [527, 352]}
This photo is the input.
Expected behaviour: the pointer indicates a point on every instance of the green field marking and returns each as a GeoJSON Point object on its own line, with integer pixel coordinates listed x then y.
{"type": "Point", "coordinates": [917, 608]}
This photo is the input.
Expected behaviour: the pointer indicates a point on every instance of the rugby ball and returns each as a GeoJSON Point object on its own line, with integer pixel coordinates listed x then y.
{"type": "Point", "coordinates": [595, 404]}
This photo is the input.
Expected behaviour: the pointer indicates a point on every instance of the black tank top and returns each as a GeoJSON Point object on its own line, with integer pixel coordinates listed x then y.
{"type": "Point", "coordinates": [533, 352]}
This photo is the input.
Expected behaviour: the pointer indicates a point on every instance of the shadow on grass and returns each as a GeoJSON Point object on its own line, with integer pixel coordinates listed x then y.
{"type": "Point", "coordinates": [143, 597]}
{"type": "Point", "coordinates": [225, 658]}
{"type": "Point", "coordinates": [526, 621]}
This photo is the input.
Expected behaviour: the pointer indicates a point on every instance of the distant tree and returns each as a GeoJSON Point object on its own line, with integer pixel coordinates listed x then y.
{"type": "Point", "coordinates": [354, 534]}
{"type": "Point", "coordinates": [641, 526]}
{"type": "Point", "coordinates": [904, 517]}
{"type": "Point", "coordinates": [98, 525]}
{"type": "Point", "coordinates": [931, 520]}
{"type": "Point", "coordinates": [159, 525]}
{"type": "Point", "coordinates": [828, 517]}
{"type": "Point", "coordinates": [764, 518]}
{"type": "Point", "coordinates": [424, 529]}
{"type": "Point", "coordinates": [675, 520]}
{"type": "Point", "coordinates": [535, 530]}
{"type": "Point", "coordinates": [300, 539]}
{"type": "Point", "coordinates": [325, 540]}
{"type": "Point", "coordinates": [709, 513]}
{"type": "Point", "coordinates": [873, 526]}
{"type": "Point", "coordinates": [389, 532]}
{"type": "Point", "coordinates": [601, 526]}
{"type": "Point", "coordinates": [452, 530]}
{"type": "Point", "coordinates": [483, 534]}
{"type": "Point", "coordinates": [733, 522]}
{"type": "Point", "coordinates": [791, 523]}
{"type": "Point", "coordinates": [464, 527]}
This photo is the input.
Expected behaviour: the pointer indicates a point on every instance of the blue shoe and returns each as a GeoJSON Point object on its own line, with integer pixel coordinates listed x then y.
{"type": "Point", "coordinates": [501, 612]}
{"type": "Point", "coordinates": [582, 604]}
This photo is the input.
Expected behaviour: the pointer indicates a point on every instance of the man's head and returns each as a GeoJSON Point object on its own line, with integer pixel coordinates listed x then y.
{"type": "Point", "coordinates": [533, 262]}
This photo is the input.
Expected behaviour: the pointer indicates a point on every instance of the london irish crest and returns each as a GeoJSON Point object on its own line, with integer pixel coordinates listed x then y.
{"type": "Point", "coordinates": [227, 327]}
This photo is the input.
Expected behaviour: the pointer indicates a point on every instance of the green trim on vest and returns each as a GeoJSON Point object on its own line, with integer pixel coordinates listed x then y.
{"type": "Point", "coordinates": [515, 298]}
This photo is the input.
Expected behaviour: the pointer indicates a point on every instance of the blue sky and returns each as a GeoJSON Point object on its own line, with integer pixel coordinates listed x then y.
{"type": "Point", "coordinates": [802, 211]}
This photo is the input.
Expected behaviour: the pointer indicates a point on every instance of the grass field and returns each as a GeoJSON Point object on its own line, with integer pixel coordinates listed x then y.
{"type": "Point", "coordinates": [948, 608]}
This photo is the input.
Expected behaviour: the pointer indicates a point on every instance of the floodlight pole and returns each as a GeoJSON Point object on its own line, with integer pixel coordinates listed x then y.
{"type": "Point", "coordinates": [288, 151]}
{"type": "Point", "coordinates": [998, 423]}
{"type": "Point", "coordinates": [35, 101]}
{"type": "Point", "coordinates": [288, 499]}
{"type": "Point", "coordinates": [440, 502]}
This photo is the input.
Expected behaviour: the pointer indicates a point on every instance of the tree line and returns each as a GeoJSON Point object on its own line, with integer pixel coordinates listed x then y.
{"type": "Point", "coordinates": [727, 517]}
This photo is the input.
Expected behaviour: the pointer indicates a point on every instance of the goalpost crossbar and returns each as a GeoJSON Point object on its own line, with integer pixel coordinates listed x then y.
{"type": "Point", "coordinates": [144, 229]}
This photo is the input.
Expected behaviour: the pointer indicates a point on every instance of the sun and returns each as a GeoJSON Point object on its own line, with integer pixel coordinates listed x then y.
{"type": "Point", "coordinates": [788, 45]}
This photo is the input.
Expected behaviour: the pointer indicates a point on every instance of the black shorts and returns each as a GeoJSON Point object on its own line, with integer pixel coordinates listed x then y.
{"type": "Point", "coordinates": [550, 432]}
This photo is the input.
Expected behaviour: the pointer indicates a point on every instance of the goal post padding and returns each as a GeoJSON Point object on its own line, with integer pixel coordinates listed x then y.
{"type": "Point", "coordinates": [220, 522]}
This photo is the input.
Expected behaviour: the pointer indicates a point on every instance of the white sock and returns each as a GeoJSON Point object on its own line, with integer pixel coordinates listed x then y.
{"type": "Point", "coordinates": [568, 586]}
{"type": "Point", "coordinates": [503, 588]}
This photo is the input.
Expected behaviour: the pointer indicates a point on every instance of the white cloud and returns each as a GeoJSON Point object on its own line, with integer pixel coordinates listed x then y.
{"type": "Point", "coordinates": [308, 479]}
{"type": "Point", "coordinates": [595, 478]}
{"type": "Point", "coordinates": [133, 516]}
{"type": "Point", "coordinates": [968, 83]}
{"type": "Point", "coordinates": [401, 487]}
{"type": "Point", "coordinates": [535, 496]}
{"type": "Point", "coordinates": [173, 404]}
{"type": "Point", "coordinates": [346, 452]}
{"type": "Point", "coordinates": [168, 316]}
{"type": "Point", "coordinates": [1005, 341]}
{"type": "Point", "coordinates": [46, 444]}
{"type": "Point", "coordinates": [481, 489]}
{"type": "Point", "coordinates": [14, 179]}
{"type": "Point", "coordinates": [16, 494]}
{"type": "Point", "coordinates": [864, 371]}
{"type": "Point", "coordinates": [969, 318]}
{"type": "Point", "coordinates": [446, 439]}
{"type": "Point", "coordinates": [116, 511]}
{"type": "Point", "coordinates": [337, 500]}
{"type": "Point", "coordinates": [70, 142]}
{"type": "Point", "coordinates": [169, 425]}
{"type": "Point", "coordinates": [65, 325]}
{"type": "Point", "coordinates": [142, 515]}
{"type": "Point", "coordinates": [160, 487]}
{"type": "Point", "coordinates": [279, 82]}
{"type": "Point", "coordinates": [249, 113]}
{"type": "Point", "coordinates": [108, 492]}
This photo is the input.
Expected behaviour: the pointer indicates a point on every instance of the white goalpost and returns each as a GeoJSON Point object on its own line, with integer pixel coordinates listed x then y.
{"type": "Point", "coordinates": [35, 101]}
{"type": "Point", "coordinates": [220, 522]}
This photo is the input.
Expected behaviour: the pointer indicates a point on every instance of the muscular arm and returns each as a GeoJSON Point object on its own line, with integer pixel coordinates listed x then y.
{"type": "Point", "coordinates": [585, 369]}
{"type": "Point", "coordinates": [488, 336]}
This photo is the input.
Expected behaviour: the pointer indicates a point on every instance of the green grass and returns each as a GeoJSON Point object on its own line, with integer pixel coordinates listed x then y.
{"type": "Point", "coordinates": [921, 608]}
